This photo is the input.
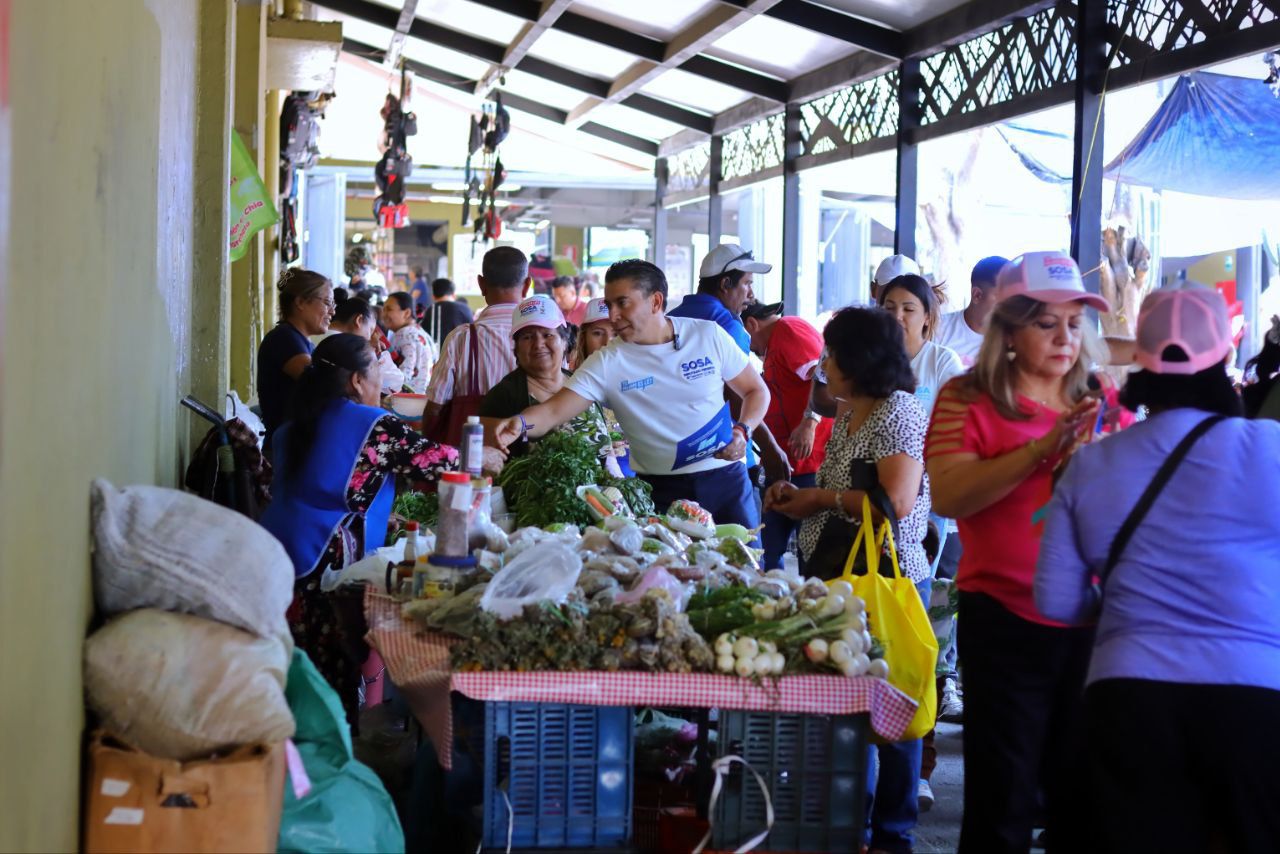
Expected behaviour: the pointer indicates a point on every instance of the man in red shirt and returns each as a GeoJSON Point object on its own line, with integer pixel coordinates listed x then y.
{"type": "Point", "coordinates": [790, 348]}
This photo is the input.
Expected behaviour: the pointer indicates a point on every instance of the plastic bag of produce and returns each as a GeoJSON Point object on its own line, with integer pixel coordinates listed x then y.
{"type": "Point", "coordinates": [181, 687]}
{"type": "Point", "coordinates": [547, 570]}
{"type": "Point", "coordinates": [161, 548]}
{"type": "Point", "coordinates": [347, 807]}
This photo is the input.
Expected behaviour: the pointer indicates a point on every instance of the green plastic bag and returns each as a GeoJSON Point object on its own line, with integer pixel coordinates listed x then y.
{"type": "Point", "coordinates": [347, 809]}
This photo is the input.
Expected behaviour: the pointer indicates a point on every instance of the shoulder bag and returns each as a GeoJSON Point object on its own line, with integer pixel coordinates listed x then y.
{"type": "Point", "coordinates": [835, 543]}
{"type": "Point", "coordinates": [1153, 490]}
{"type": "Point", "coordinates": [447, 428]}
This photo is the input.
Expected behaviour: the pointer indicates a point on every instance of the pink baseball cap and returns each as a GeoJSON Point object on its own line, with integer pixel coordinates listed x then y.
{"type": "Point", "coordinates": [1192, 319]}
{"type": "Point", "coordinates": [1046, 277]}
{"type": "Point", "coordinates": [597, 310]}
{"type": "Point", "coordinates": [538, 310]}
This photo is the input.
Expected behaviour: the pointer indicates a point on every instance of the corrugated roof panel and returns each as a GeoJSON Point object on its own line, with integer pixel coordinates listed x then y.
{"type": "Point", "coordinates": [543, 90]}
{"type": "Point", "coordinates": [898, 14]}
{"type": "Point", "coordinates": [633, 122]}
{"type": "Point", "coordinates": [659, 19]}
{"type": "Point", "coordinates": [690, 90]}
{"type": "Point", "coordinates": [778, 48]}
{"type": "Point", "coordinates": [474, 19]}
{"type": "Point", "coordinates": [581, 55]}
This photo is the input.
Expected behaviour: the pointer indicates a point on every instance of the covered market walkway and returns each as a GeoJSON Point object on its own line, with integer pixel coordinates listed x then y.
{"type": "Point", "coordinates": [165, 163]}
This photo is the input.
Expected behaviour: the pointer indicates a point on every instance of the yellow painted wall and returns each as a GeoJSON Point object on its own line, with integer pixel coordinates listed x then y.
{"type": "Point", "coordinates": [1213, 269]}
{"type": "Point", "coordinates": [96, 332]}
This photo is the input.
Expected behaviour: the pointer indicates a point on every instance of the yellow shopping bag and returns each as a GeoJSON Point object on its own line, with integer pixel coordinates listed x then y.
{"type": "Point", "coordinates": [897, 617]}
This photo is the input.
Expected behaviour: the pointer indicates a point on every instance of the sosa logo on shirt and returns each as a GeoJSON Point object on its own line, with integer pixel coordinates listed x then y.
{"type": "Point", "coordinates": [696, 369]}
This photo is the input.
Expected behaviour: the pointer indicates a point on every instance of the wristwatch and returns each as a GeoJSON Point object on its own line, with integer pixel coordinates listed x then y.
{"type": "Point", "coordinates": [812, 416]}
{"type": "Point", "coordinates": [746, 433]}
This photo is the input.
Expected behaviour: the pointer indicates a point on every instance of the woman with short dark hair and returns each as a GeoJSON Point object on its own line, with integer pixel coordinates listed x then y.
{"type": "Point", "coordinates": [335, 466]}
{"type": "Point", "coordinates": [1183, 586]}
{"type": "Point", "coordinates": [881, 428]}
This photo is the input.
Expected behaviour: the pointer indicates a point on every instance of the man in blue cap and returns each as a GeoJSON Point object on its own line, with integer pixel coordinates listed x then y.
{"type": "Point", "coordinates": [725, 281]}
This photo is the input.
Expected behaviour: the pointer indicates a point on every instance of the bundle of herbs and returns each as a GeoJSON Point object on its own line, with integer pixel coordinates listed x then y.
{"type": "Point", "coordinates": [541, 486]}
{"type": "Point", "coordinates": [650, 635]}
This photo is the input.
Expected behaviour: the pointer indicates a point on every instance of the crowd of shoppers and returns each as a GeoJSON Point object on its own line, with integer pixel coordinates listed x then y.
{"type": "Point", "coordinates": [1109, 594]}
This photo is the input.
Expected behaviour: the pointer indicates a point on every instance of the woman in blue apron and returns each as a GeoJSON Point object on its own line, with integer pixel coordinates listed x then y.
{"type": "Point", "coordinates": [335, 465]}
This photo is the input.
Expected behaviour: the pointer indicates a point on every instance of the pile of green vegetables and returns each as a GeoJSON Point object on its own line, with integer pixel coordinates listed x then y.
{"type": "Point", "coordinates": [541, 486]}
{"type": "Point", "coordinates": [420, 507]}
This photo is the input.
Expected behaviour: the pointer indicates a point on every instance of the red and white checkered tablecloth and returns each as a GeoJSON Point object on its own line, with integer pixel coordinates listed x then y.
{"type": "Point", "coordinates": [418, 662]}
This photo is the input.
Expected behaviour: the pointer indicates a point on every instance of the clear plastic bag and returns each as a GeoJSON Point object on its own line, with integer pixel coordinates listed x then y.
{"type": "Point", "coordinates": [547, 570]}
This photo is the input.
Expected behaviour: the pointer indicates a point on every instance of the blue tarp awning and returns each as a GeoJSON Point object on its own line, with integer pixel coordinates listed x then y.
{"type": "Point", "coordinates": [1215, 135]}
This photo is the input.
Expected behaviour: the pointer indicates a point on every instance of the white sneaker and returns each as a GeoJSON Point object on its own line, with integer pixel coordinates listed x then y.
{"type": "Point", "coordinates": [950, 706]}
{"type": "Point", "coordinates": [924, 795]}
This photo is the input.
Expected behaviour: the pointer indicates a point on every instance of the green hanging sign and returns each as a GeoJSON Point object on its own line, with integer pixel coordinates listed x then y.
{"type": "Point", "coordinates": [251, 208]}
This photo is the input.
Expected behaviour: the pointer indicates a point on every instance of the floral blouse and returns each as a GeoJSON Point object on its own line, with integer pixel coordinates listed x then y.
{"type": "Point", "coordinates": [416, 354]}
{"type": "Point", "coordinates": [392, 448]}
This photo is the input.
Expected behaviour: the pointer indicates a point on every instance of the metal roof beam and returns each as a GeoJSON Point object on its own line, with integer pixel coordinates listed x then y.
{"type": "Point", "coordinates": [709, 28]}
{"type": "Point", "coordinates": [648, 48]}
{"type": "Point", "coordinates": [493, 51]}
{"type": "Point", "coordinates": [407, 14]}
{"type": "Point", "coordinates": [515, 102]}
{"type": "Point", "coordinates": [529, 33]}
{"type": "Point", "coordinates": [831, 22]}
{"type": "Point", "coordinates": [972, 19]}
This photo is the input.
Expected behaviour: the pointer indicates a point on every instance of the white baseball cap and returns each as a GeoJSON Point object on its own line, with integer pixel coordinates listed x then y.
{"type": "Point", "coordinates": [895, 266]}
{"type": "Point", "coordinates": [538, 310]}
{"type": "Point", "coordinates": [1046, 277]}
{"type": "Point", "coordinates": [597, 310]}
{"type": "Point", "coordinates": [730, 256]}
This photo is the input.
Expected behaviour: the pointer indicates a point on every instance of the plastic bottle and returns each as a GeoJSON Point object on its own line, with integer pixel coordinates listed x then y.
{"type": "Point", "coordinates": [455, 506]}
{"type": "Point", "coordinates": [411, 543]}
{"type": "Point", "coordinates": [473, 446]}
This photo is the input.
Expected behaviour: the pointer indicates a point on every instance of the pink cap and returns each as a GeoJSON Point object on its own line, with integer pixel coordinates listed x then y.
{"type": "Point", "coordinates": [597, 310]}
{"type": "Point", "coordinates": [1047, 277]}
{"type": "Point", "coordinates": [538, 310]}
{"type": "Point", "coordinates": [1193, 319]}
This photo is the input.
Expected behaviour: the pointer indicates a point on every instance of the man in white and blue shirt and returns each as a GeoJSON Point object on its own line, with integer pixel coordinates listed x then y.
{"type": "Point", "coordinates": [664, 378]}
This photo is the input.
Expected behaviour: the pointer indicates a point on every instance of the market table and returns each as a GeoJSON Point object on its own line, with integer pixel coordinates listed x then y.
{"type": "Point", "coordinates": [418, 663]}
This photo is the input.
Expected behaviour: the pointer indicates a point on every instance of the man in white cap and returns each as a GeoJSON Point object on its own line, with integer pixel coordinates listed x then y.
{"type": "Point", "coordinates": [725, 281]}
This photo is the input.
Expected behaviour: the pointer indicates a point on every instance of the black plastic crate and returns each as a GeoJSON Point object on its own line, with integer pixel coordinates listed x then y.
{"type": "Point", "coordinates": [565, 771]}
{"type": "Point", "coordinates": [815, 767]}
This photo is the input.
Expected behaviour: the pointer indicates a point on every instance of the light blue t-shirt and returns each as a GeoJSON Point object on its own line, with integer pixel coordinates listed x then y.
{"type": "Point", "coordinates": [1195, 597]}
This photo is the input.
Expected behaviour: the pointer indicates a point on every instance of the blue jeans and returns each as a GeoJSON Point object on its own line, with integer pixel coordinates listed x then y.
{"type": "Point", "coordinates": [778, 528]}
{"type": "Point", "coordinates": [726, 493]}
{"type": "Point", "coordinates": [892, 786]}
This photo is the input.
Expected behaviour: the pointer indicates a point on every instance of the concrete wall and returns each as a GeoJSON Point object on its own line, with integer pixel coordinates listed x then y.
{"type": "Point", "coordinates": [96, 341]}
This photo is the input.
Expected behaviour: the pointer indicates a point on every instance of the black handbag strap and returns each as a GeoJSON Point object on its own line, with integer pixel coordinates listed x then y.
{"type": "Point", "coordinates": [1157, 485]}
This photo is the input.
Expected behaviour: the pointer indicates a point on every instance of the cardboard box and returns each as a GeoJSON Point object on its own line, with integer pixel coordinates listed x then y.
{"type": "Point", "coordinates": [141, 803]}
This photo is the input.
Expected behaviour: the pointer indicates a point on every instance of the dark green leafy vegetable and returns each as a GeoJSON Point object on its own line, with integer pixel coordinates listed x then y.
{"type": "Point", "coordinates": [541, 487]}
{"type": "Point", "coordinates": [420, 507]}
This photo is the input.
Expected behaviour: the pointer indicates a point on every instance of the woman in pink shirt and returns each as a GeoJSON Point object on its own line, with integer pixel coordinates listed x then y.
{"type": "Point", "coordinates": [997, 438]}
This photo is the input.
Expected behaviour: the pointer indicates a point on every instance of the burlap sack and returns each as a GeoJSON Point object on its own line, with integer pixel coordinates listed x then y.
{"type": "Point", "coordinates": [181, 687]}
{"type": "Point", "coordinates": [161, 548]}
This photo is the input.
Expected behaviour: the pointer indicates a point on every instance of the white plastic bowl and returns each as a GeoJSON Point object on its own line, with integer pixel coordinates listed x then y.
{"type": "Point", "coordinates": [408, 405]}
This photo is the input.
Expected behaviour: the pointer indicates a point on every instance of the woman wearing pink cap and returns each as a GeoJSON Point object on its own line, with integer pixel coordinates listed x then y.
{"type": "Point", "coordinates": [1185, 589]}
{"type": "Point", "coordinates": [594, 334]}
{"type": "Point", "coordinates": [540, 334]}
{"type": "Point", "coordinates": [998, 435]}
